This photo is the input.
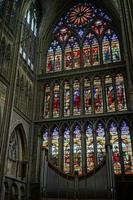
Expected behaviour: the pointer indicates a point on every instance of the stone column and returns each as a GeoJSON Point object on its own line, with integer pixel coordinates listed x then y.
{"type": "Point", "coordinates": [126, 17]}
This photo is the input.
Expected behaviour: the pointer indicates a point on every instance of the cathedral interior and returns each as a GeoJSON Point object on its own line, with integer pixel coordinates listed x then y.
{"type": "Point", "coordinates": [66, 99]}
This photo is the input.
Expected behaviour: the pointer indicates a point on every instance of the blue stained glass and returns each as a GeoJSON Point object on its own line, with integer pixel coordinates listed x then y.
{"type": "Point", "coordinates": [100, 130]}
{"type": "Point", "coordinates": [124, 128]}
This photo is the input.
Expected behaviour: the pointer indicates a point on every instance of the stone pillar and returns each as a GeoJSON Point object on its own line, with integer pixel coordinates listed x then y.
{"type": "Point", "coordinates": [126, 17]}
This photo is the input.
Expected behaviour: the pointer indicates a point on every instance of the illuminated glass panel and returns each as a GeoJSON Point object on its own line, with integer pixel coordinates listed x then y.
{"type": "Point", "coordinates": [62, 33]}
{"type": "Point", "coordinates": [100, 138]}
{"type": "Point", "coordinates": [115, 47]}
{"type": "Point", "coordinates": [120, 93]}
{"type": "Point", "coordinates": [50, 60]}
{"type": "Point", "coordinates": [106, 49]}
{"type": "Point", "coordinates": [87, 96]}
{"type": "Point", "coordinates": [56, 100]}
{"type": "Point", "coordinates": [66, 99]}
{"type": "Point", "coordinates": [47, 101]}
{"type": "Point", "coordinates": [126, 147]}
{"type": "Point", "coordinates": [99, 26]}
{"type": "Point", "coordinates": [80, 14]}
{"type": "Point", "coordinates": [67, 150]}
{"type": "Point", "coordinates": [76, 98]}
{"type": "Point", "coordinates": [114, 140]}
{"type": "Point", "coordinates": [77, 149]}
{"type": "Point", "coordinates": [90, 148]}
{"type": "Point", "coordinates": [110, 100]}
{"type": "Point", "coordinates": [55, 145]}
{"type": "Point", "coordinates": [98, 98]}
{"type": "Point", "coordinates": [91, 50]}
{"type": "Point", "coordinates": [45, 138]}
{"type": "Point", "coordinates": [54, 57]}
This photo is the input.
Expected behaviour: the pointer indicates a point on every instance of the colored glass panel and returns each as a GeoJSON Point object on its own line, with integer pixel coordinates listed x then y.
{"type": "Point", "coordinates": [99, 26]}
{"type": "Point", "coordinates": [120, 93]}
{"type": "Point", "coordinates": [100, 137]}
{"type": "Point", "coordinates": [114, 140]}
{"type": "Point", "coordinates": [87, 96]}
{"type": "Point", "coordinates": [91, 50]}
{"type": "Point", "coordinates": [110, 100]}
{"type": "Point", "coordinates": [47, 101]}
{"type": "Point", "coordinates": [80, 14]}
{"type": "Point", "coordinates": [55, 146]}
{"type": "Point", "coordinates": [76, 98]}
{"type": "Point", "coordinates": [126, 148]}
{"type": "Point", "coordinates": [56, 100]}
{"type": "Point", "coordinates": [68, 58]}
{"type": "Point", "coordinates": [63, 32]}
{"type": "Point", "coordinates": [67, 150]}
{"type": "Point", "coordinates": [106, 50]}
{"type": "Point", "coordinates": [90, 148]}
{"type": "Point", "coordinates": [77, 149]}
{"type": "Point", "coordinates": [50, 60]}
{"type": "Point", "coordinates": [98, 98]}
{"type": "Point", "coordinates": [66, 99]}
{"type": "Point", "coordinates": [115, 48]}
{"type": "Point", "coordinates": [45, 138]}
{"type": "Point", "coordinates": [58, 59]}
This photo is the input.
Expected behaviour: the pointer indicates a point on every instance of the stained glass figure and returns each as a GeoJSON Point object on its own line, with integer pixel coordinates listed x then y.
{"type": "Point", "coordinates": [126, 147]}
{"type": "Point", "coordinates": [87, 96]}
{"type": "Point", "coordinates": [56, 100]}
{"type": "Point", "coordinates": [115, 48]}
{"type": "Point", "coordinates": [76, 98]}
{"type": "Point", "coordinates": [67, 149]}
{"type": "Point", "coordinates": [80, 14]}
{"type": "Point", "coordinates": [91, 50]}
{"type": "Point", "coordinates": [72, 54]}
{"type": "Point", "coordinates": [47, 101]}
{"type": "Point", "coordinates": [62, 33]}
{"type": "Point", "coordinates": [99, 26]}
{"type": "Point", "coordinates": [55, 146]}
{"type": "Point", "coordinates": [45, 138]}
{"type": "Point", "coordinates": [54, 57]}
{"type": "Point", "coordinates": [66, 99]}
{"type": "Point", "coordinates": [110, 100]}
{"type": "Point", "coordinates": [114, 140]}
{"type": "Point", "coordinates": [100, 137]}
{"type": "Point", "coordinates": [106, 49]}
{"type": "Point", "coordinates": [120, 92]}
{"type": "Point", "coordinates": [90, 148]}
{"type": "Point", "coordinates": [50, 60]}
{"type": "Point", "coordinates": [77, 149]}
{"type": "Point", "coordinates": [98, 98]}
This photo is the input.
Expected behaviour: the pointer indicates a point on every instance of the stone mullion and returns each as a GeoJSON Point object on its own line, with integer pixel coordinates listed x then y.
{"type": "Point", "coordinates": [83, 144]}
{"type": "Point", "coordinates": [100, 52]}
{"type": "Point", "coordinates": [81, 57]}
{"type": "Point", "coordinates": [82, 95]}
{"type": "Point", "coordinates": [71, 97]}
{"type": "Point", "coordinates": [92, 95]}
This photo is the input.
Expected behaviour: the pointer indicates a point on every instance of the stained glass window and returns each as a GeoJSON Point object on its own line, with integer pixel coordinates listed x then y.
{"type": "Point", "coordinates": [56, 100]}
{"type": "Point", "coordinates": [100, 137]}
{"type": "Point", "coordinates": [54, 57]}
{"type": "Point", "coordinates": [87, 96]}
{"type": "Point", "coordinates": [110, 100]}
{"type": "Point", "coordinates": [114, 140]}
{"type": "Point", "coordinates": [98, 98]}
{"type": "Point", "coordinates": [99, 26]}
{"type": "Point", "coordinates": [106, 49]}
{"type": "Point", "coordinates": [45, 138]}
{"type": "Point", "coordinates": [91, 50]}
{"type": "Point", "coordinates": [72, 54]}
{"type": "Point", "coordinates": [76, 98]}
{"type": "Point", "coordinates": [67, 149]}
{"type": "Point", "coordinates": [55, 146]}
{"type": "Point", "coordinates": [90, 148]}
{"type": "Point", "coordinates": [126, 147]}
{"type": "Point", "coordinates": [62, 33]}
{"type": "Point", "coordinates": [66, 98]}
{"type": "Point", "coordinates": [47, 101]}
{"type": "Point", "coordinates": [115, 47]}
{"type": "Point", "coordinates": [120, 92]}
{"type": "Point", "coordinates": [77, 149]}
